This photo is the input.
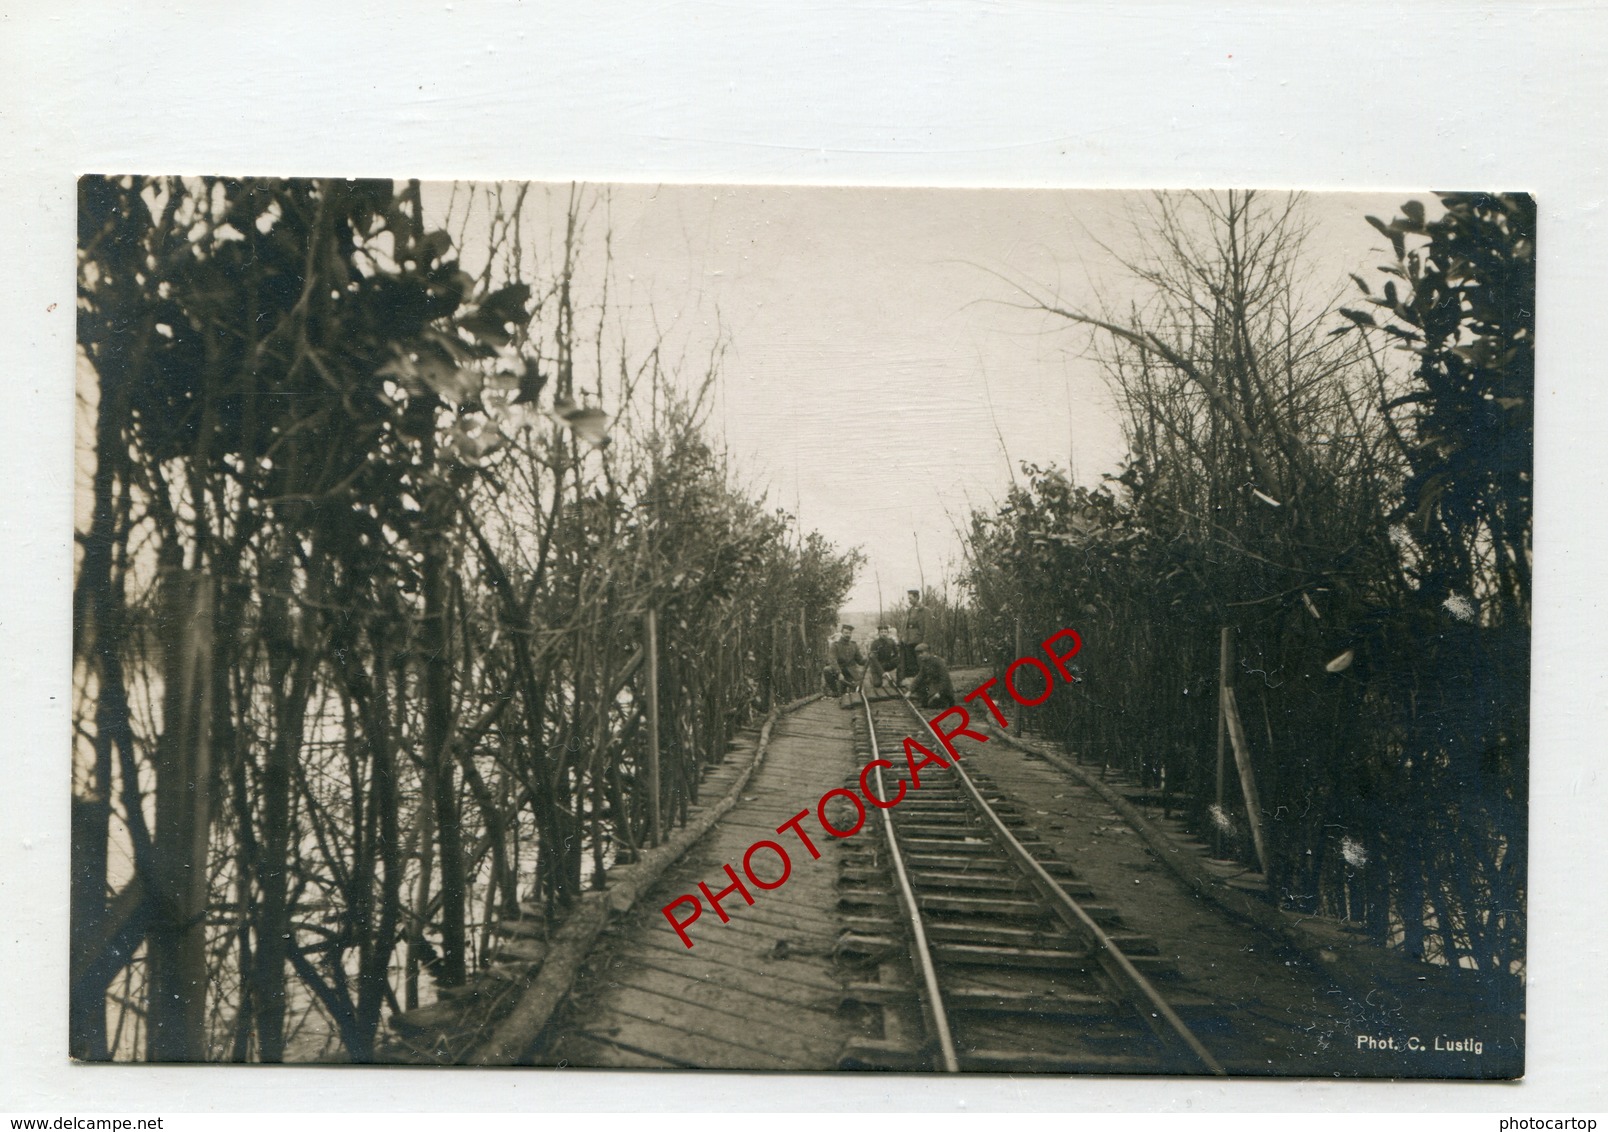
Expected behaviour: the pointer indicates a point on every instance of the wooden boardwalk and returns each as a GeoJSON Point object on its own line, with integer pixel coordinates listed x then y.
{"type": "Point", "coordinates": [760, 992]}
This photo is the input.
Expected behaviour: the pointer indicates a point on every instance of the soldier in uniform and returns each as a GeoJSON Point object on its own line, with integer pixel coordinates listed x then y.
{"type": "Point", "coordinates": [915, 633]}
{"type": "Point", "coordinates": [933, 687]}
{"type": "Point", "coordinates": [884, 656]}
{"type": "Point", "coordinates": [845, 664]}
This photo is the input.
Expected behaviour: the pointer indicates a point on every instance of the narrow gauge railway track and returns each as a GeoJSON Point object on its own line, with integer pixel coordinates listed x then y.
{"type": "Point", "coordinates": [992, 955]}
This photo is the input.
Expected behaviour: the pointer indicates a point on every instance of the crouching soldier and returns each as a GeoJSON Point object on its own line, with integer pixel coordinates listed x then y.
{"type": "Point", "coordinates": [884, 657]}
{"type": "Point", "coordinates": [845, 664]}
{"type": "Point", "coordinates": [933, 687]}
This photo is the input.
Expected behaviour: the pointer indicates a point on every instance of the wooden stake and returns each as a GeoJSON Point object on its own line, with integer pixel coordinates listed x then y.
{"type": "Point", "coordinates": [1225, 668]}
{"type": "Point", "coordinates": [1242, 758]}
{"type": "Point", "coordinates": [177, 939]}
{"type": "Point", "coordinates": [425, 846]}
{"type": "Point", "coordinates": [1019, 652]}
{"type": "Point", "coordinates": [653, 725]}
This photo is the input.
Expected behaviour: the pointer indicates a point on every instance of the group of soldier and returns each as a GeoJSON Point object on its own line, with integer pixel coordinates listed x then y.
{"type": "Point", "coordinates": [908, 661]}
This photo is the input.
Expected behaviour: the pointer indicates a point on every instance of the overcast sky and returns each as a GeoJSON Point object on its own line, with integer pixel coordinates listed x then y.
{"type": "Point", "coordinates": [874, 340]}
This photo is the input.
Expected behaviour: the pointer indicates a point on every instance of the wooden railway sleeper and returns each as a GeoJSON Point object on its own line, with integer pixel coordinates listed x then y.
{"type": "Point", "coordinates": [1120, 970]}
{"type": "Point", "coordinates": [996, 932]}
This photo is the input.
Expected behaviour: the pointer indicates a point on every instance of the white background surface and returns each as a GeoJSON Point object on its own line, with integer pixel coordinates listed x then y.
{"type": "Point", "coordinates": [1354, 96]}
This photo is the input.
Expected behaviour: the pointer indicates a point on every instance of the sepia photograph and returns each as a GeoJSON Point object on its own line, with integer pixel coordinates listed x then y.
{"type": "Point", "coordinates": [802, 629]}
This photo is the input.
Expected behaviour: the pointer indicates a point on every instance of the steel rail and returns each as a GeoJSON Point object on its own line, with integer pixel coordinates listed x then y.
{"type": "Point", "coordinates": [1073, 913]}
{"type": "Point", "coordinates": [937, 1017]}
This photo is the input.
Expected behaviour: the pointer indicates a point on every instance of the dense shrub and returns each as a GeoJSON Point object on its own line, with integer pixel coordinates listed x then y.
{"type": "Point", "coordinates": [365, 549]}
{"type": "Point", "coordinates": [1359, 527]}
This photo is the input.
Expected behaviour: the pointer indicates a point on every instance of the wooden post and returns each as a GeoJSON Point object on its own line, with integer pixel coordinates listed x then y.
{"type": "Point", "coordinates": [775, 652]}
{"type": "Point", "coordinates": [86, 1009]}
{"type": "Point", "coordinates": [1242, 758]}
{"type": "Point", "coordinates": [425, 845]}
{"type": "Point", "coordinates": [178, 937]}
{"type": "Point", "coordinates": [1225, 668]}
{"type": "Point", "coordinates": [653, 725]}
{"type": "Point", "coordinates": [1019, 652]}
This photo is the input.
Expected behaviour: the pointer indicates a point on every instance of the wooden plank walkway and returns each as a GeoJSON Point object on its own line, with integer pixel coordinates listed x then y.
{"type": "Point", "coordinates": [760, 992]}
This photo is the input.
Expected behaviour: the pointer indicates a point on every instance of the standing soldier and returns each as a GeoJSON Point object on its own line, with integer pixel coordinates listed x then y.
{"type": "Point", "coordinates": [915, 633]}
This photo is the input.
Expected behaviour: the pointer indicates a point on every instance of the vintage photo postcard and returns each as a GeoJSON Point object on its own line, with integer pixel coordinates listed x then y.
{"type": "Point", "coordinates": [802, 629]}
